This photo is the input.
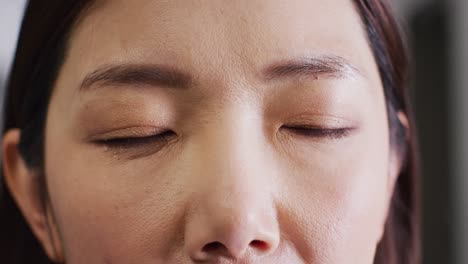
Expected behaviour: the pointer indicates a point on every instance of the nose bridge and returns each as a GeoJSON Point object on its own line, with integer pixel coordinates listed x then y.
{"type": "Point", "coordinates": [234, 162]}
{"type": "Point", "coordinates": [234, 144]}
{"type": "Point", "coordinates": [232, 209]}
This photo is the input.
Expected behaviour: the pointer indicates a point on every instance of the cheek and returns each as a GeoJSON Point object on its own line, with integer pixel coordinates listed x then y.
{"type": "Point", "coordinates": [98, 205]}
{"type": "Point", "coordinates": [340, 197]}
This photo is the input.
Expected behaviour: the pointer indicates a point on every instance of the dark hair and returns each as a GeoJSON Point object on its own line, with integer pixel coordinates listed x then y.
{"type": "Point", "coordinates": [40, 53]}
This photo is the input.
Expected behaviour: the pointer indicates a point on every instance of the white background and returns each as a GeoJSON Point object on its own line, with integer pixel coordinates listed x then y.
{"type": "Point", "coordinates": [10, 18]}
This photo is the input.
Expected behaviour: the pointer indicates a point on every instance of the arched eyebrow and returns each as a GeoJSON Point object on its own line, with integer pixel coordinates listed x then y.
{"type": "Point", "coordinates": [165, 76]}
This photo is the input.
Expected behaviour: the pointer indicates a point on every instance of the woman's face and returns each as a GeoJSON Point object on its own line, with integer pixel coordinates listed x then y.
{"type": "Point", "coordinates": [246, 131]}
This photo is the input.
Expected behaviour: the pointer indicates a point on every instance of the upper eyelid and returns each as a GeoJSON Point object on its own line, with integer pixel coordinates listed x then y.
{"type": "Point", "coordinates": [126, 132]}
{"type": "Point", "coordinates": [307, 118]}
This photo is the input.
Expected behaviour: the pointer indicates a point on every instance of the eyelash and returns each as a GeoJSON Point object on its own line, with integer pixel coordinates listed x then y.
{"type": "Point", "coordinates": [135, 142]}
{"type": "Point", "coordinates": [165, 137]}
{"type": "Point", "coordinates": [317, 132]}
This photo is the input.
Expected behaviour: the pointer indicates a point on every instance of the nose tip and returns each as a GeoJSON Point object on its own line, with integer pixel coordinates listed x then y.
{"type": "Point", "coordinates": [235, 242]}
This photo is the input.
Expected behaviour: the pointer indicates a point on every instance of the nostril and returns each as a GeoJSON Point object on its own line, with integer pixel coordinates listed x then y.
{"type": "Point", "coordinates": [219, 249]}
{"type": "Point", "coordinates": [215, 248]}
{"type": "Point", "coordinates": [260, 245]}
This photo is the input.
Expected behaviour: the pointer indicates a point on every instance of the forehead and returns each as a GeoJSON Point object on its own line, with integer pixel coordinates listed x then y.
{"type": "Point", "coordinates": [217, 35]}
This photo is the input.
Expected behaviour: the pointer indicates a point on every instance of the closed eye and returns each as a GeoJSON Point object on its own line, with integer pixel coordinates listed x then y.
{"type": "Point", "coordinates": [318, 132]}
{"type": "Point", "coordinates": [137, 142]}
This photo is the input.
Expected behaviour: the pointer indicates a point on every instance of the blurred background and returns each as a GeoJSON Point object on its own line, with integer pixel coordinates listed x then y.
{"type": "Point", "coordinates": [438, 35]}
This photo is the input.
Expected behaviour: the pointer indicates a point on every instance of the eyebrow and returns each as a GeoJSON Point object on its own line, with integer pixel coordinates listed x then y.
{"type": "Point", "coordinates": [137, 74]}
{"type": "Point", "coordinates": [157, 75]}
{"type": "Point", "coordinates": [329, 66]}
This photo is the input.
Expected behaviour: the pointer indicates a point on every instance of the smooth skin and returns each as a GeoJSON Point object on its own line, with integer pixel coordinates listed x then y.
{"type": "Point", "coordinates": [247, 131]}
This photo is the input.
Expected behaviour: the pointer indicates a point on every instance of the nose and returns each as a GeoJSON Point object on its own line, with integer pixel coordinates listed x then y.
{"type": "Point", "coordinates": [232, 213]}
{"type": "Point", "coordinates": [230, 234]}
